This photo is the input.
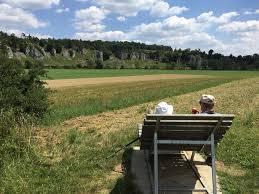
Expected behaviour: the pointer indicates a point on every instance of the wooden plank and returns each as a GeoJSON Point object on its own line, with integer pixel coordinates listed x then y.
{"type": "Point", "coordinates": [189, 117]}
{"type": "Point", "coordinates": [196, 128]}
{"type": "Point", "coordinates": [173, 147]}
{"type": "Point", "coordinates": [149, 145]}
{"type": "Point", "coordinates": [181, 135]}
{"type": "Point", "coordinates": [188, 122]}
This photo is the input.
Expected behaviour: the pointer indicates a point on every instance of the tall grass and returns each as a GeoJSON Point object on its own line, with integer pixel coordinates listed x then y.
{"type": "Point", "coordinates": [73, 102]}
{"type": "Point", "coordinates": [67, 159]}
{"type": "Point", "coordinates": [68, 166]}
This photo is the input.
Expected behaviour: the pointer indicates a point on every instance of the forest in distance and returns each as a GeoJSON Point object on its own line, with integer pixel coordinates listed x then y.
{"type": "Point", "coordinates": [72, 53]}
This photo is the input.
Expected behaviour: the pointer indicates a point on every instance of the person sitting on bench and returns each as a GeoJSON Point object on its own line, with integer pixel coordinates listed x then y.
{"type": "Point", "coordinates": [207, 103]}
{"type": "Point", "coordinates": [164, 108]}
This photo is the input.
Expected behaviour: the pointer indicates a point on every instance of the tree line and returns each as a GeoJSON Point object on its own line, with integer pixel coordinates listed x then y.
{"type": "Point", "coordinates": [174, 58]}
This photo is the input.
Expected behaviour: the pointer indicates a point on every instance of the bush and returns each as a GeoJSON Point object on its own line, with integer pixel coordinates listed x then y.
{"type": "Point", "coordinates": [21, 90]}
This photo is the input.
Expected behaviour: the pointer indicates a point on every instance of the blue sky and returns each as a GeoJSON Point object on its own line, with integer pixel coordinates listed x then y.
{"type": "Point", "coordinates": [228, 27]}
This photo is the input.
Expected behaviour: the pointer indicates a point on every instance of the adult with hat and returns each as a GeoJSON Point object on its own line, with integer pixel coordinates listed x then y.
{"type": "Point", "coordinates": [207, 103]}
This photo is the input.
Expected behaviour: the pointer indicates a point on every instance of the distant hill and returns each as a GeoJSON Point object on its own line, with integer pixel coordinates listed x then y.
{"type": "Point", "coordinates": [69, 53]}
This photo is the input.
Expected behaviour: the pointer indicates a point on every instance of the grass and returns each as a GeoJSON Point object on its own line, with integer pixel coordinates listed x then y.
{"type": "Point", "coordinates": [90, 100]}
{"type": "Point", "coordinates": [87, 73]}
{"type": "Point", "coordinates": [70, 157]}
{"type": "Point", "coordinates": [91, 73]}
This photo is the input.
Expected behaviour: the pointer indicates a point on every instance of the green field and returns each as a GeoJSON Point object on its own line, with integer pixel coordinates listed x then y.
{"type": "Point", "coordinates": [86, 73]}
{"type": "Point", "coordinates": [89, 100]}
{"type": "Point", "coordinates": [66, 152]}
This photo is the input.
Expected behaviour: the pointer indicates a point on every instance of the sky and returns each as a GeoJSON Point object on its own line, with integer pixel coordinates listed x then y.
{"type": "Point", "coordinates": [226, 26]}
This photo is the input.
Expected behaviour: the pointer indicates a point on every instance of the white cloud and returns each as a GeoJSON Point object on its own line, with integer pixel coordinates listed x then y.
{"type": "Point", "coordinates": [62, 10]}
{"type": "Point", "coordinates": [237, 26]}
{"type": "Point", "coordinates": [121, 18]}
{"type": "Point", "coordinates": [244, 37]}
{"type": "Point", "coordinates": [92, 13]}
{"type": "Point", "coordinates": [89, 27]}
{"type": "Point", "coordinates": [174, 31]}
{"type": "Point", "coordinates": [251, 12]}
{"type": "Point", "coordinates": [126, 8]}
{"type": "Point", "coordinates": [11, 18]}
{"type": "Point", "coordinates": [90, 19]}
{"type": "Point", "coordinates": [178, 32]}
{"type": "Point", "coordinates": [162, 8]}
{"type": "Point", "coordinates": [41, 36]}
{"type": "Point", "coordinates": [109, 36]}
{"type": "Point", "coordinates": [32, 4]}
{"type": "Point", "coordinates": [209, 18]}
{"type": "Point", "coordinates": [20, 33]}
{"type": "Point", "coordinates": [17, 33]}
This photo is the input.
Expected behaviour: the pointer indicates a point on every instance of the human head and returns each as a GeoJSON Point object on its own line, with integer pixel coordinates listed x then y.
{"type": "Point", "coordinates": [207, 102]}
{"type": "Point", "coordinates": [164, 108]}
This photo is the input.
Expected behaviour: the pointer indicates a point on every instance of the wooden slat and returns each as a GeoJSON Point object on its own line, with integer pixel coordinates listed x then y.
{"type": "Point", "coordinates": [189, 117]}
{"type": "Point", "coordinates": [148, 145]}
{"type": "Point", "coordinates": [173, 147]}
{"type": "Point", "coordinates": [188, 122]}
{"type": "Point", "coordinates": [181, 135]}
{"type": "Point", "coordinates": [196, 128]}
{"type": "Point", "coordinates": [183, 127]}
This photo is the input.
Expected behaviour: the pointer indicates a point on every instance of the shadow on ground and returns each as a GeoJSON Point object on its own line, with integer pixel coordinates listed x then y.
{"type": "Point", "coordinates": [126, 185]}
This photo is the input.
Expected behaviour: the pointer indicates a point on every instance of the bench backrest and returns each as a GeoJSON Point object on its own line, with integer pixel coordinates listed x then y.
{"type": "Point", "coordinates": [184, 127]}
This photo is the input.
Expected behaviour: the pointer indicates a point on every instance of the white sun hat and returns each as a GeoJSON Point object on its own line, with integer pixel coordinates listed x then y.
{"type": "Point", "coordinates": [164, 108]}
{"type": "Point", "coordinates": [207, 99]}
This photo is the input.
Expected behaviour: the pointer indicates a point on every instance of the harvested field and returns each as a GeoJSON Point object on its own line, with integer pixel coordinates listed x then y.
{"type": "Point", "coordinates": [115, 120]}
{"type": "Point", "coordinates": [71, 154]}
{"type": "Point", "coordinates": [110, 80]}
{"type": "Point", "coordinates": [101, 134]}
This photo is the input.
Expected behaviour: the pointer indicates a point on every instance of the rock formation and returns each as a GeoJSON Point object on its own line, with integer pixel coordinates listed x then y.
{"type": "Point", "coordinates": [134, 56]}
{"type": "Point", "coordinates": [124, 56]}
{"type": "Point", "coordinates": [19, 55]}
{"type": "Point", "coordinates": [72, 53]}
{"type": "Point", "coordinates": [53, 52]}
{"type": "Point", "coordinates": [34, 52]}
{"type": "Point", "coordinates": [143, 56]}
{"type": "Point", "coordinates": [9, 51]}
{"type": "Point", "coordinates": [99, 55]}
{"type": "Point", "coordinates": [65, 53]}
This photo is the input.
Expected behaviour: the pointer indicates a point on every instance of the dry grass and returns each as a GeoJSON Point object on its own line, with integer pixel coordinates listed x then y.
{"type": "Point", "coordinates": [231, 170]}
{"type": "Point", "coordinates": [57, 84]}
{"type": "Point", "coordinates": [235, 98]}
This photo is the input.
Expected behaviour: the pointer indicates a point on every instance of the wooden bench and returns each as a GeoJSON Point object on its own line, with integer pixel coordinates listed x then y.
{"type": "Point", "coordinates": [183, 132]}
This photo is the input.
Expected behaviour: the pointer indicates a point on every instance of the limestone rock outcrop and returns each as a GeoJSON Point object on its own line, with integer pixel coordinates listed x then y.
{"type": "Point", "coordinates": [99, 55]}
{"type": "Point", "coordinates": [10, 53]}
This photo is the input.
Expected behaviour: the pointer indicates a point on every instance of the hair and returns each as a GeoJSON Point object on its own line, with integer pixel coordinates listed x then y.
{"type": "Point", "coordinates": [208, 106]}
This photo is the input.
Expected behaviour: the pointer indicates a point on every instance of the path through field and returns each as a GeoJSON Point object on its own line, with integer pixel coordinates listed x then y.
{"type": "Point", "coordinates": [107, 80]}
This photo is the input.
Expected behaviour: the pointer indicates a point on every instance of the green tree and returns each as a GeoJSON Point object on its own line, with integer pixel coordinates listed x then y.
{"type": "Point", "coordinates": [21, 89]}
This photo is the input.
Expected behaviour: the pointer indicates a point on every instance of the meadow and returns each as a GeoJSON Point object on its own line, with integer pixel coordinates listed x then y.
{"type": "Point", "coordinates": [92, 73]}
{"type": "Point", "coordinates": [66, 152]}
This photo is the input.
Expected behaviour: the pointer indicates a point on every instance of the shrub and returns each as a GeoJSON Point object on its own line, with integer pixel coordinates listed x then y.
{"type": "Point", "coordinates": [21, 89]}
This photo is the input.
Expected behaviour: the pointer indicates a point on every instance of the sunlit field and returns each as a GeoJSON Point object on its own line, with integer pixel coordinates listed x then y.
{"type": "Point", "coordinates": [91, 73]}
{"type": "Point", "coordinates": [85, 124]}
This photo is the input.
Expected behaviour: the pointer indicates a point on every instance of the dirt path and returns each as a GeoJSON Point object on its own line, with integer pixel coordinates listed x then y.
{"type": "Point", "coordinates": [106, 80]}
